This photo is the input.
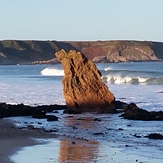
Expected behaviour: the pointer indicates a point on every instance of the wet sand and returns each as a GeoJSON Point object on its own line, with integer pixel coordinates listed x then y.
{"type": "Point", "coordinates": [13, 139]}
{"type": "Point", "coordinates": [105, 138]}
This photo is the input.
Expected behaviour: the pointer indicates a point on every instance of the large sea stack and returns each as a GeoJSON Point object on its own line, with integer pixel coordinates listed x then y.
{"type": "Point", "coordinates": [83, 88]}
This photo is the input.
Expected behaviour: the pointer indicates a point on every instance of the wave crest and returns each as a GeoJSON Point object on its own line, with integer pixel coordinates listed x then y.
{"type": "Point", "coordinates": [52, 72]}
{"type": "Point", "coordinates": [132, 77]}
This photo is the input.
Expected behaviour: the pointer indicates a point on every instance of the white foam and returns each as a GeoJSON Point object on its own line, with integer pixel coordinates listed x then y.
{"type": "Point", "coordinates": [128, 79]}
{"type": "Point", "coordinates": [52, 72]}
{"type": "Point", "coordinates": [119, 79]}
{"type": "Point", "coordinates": [107, 68]}
{"type": "Point", "coordinates": [109, 78]}
{"type": "Point", "coordinates": [142, 80]}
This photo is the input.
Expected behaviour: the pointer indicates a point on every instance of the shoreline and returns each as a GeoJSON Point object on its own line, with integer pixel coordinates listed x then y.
{"type": "Point", "coordinates": [13, 139]}
{"type": "Point", "coordinates": [69, 144]}
{"type": "Point", "coordinates": [44, 62]}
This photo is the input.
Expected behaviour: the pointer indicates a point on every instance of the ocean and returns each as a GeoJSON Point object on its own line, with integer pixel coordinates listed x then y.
{"type": "Point", "coordinates": [138, 82]}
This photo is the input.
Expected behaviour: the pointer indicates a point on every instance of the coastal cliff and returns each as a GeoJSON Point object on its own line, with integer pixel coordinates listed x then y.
{"type": "Point", "coordinates": [42, 52]}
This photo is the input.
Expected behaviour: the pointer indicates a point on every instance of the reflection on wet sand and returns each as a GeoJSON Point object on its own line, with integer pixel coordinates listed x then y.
{"type": "Point", "coordinates": [78, 149]}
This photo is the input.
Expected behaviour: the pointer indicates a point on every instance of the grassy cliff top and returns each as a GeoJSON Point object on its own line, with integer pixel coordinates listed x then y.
{"type": "Point", "coordinates": [30, 50]}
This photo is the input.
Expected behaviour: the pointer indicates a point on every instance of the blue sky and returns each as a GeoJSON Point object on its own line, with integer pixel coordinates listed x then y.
{"type": "Point", "coordinates": [80, 20]}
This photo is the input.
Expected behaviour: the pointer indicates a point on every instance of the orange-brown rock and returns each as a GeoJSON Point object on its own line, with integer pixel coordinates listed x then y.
{"type": "Point", "coordinates": [83, 88]}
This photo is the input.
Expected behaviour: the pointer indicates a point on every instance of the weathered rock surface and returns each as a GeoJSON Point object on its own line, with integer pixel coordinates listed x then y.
{"type": "Point", "coordinates": [82, 85]}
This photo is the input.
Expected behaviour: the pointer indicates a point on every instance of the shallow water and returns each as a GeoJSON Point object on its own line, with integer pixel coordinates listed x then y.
{"type": "Point", "coordinates": [80, 151]}
{"type": "Point", "coordinates": [107, 138]}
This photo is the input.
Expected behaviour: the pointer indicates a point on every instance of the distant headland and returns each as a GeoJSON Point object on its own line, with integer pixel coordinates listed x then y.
{"type": "Point", "coordinates": [42, 52]}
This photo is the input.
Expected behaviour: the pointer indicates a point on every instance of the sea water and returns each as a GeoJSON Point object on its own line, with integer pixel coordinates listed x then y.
{"type": "Point", "coordinates": [29, 85]}
{"type": "Point", "coordinates": [138, 82]}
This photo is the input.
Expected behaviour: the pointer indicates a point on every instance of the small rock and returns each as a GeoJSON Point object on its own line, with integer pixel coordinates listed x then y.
{"type": "Point", "coordinates": [73, 142]}
{"type": "Point", "coordinates": [137, 136]}
{"type": "Point", "coordinates": [98, 133]}
{"type": "Point", "coordinates": [120, 129]}
{"type": "Point", "coordinates": [70, 111]}
{"type": "Point", "coordinates": [154, 136]}
{"type": "Point", "coordinates": [74, 128]}
{"type": "Point", "coordinates": [39, 123]}
{"type": "Point", "coordinates": [97, 119]}
{"type": "Point", "coordinates": [52, 118]}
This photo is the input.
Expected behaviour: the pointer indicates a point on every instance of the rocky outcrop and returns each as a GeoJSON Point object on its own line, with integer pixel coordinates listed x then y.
{"type": "Point", "coordinates": [83, 88]}
{"type": "Point", "coordinates": [155, 136]}
{"type": "Point", "coordinates": [41, 52]}
{"type": "Point", "coordinates": [133, 112]}
{"type": "Point", "coordinates": [8, 110]}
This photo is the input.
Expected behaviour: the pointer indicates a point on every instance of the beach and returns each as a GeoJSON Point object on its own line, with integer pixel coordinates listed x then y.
{"type": "Point", "coordinates": [80, 138]}
{"type": "Point", "coordinates": [13, 139]}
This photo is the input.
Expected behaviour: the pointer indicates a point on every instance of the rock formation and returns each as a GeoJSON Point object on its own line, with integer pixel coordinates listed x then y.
{"type": "Point", "coordinates": [83, 88]}
{"type": "Point", "coordinates": [40, 112]}
{"type": "Point", "coordinates": [133, 112]}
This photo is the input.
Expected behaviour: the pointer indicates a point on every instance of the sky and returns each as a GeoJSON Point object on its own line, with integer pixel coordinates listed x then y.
{"type": "Point", "coordinates": [81, 20]}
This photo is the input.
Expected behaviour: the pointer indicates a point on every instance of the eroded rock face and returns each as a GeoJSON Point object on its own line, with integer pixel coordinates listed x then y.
{"type": "Point", "coordinates": [82, 85]}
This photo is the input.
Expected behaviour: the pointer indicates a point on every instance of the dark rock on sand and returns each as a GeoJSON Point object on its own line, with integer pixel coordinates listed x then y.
{"type": "Point", "coordinates": [69, 111]}
{"type": "Point", "coordinates": [7, 110]}
{"type": "Point", "coordinates": [39, 115]}
{"type": "Point", "coordinates": [133, 112]}
{"type": "Point", "coordinates": [97, 119]}
{"type": "Point", "coordinates": [98, 133]}
{"type": "Point", "coordinates": [154, 136]}
{"type": "Point", "coordinates": [119, 104]}
{"type": "Point", "coordinates": [83, 88]}
{"type": "Point", "coordinates": [137, 136]}
{"type": "Point", "coordinates": [160, 92]}
{"type": "Point", "coordinates": [52, 118]}
{"type": "Point", "coordinates": [42, 115]}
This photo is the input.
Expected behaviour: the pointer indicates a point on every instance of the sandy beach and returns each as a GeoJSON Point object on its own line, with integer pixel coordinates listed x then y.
{"type": "Point", "coordinates": [13, 139]}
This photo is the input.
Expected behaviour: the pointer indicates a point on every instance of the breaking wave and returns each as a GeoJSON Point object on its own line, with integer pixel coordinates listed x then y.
{"type": "Point", "coordinates": [119, 76]}
{"type": "Point", "coordinates": [132, 77]}
{"type": "Point", "coordinates": [52, 72]}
